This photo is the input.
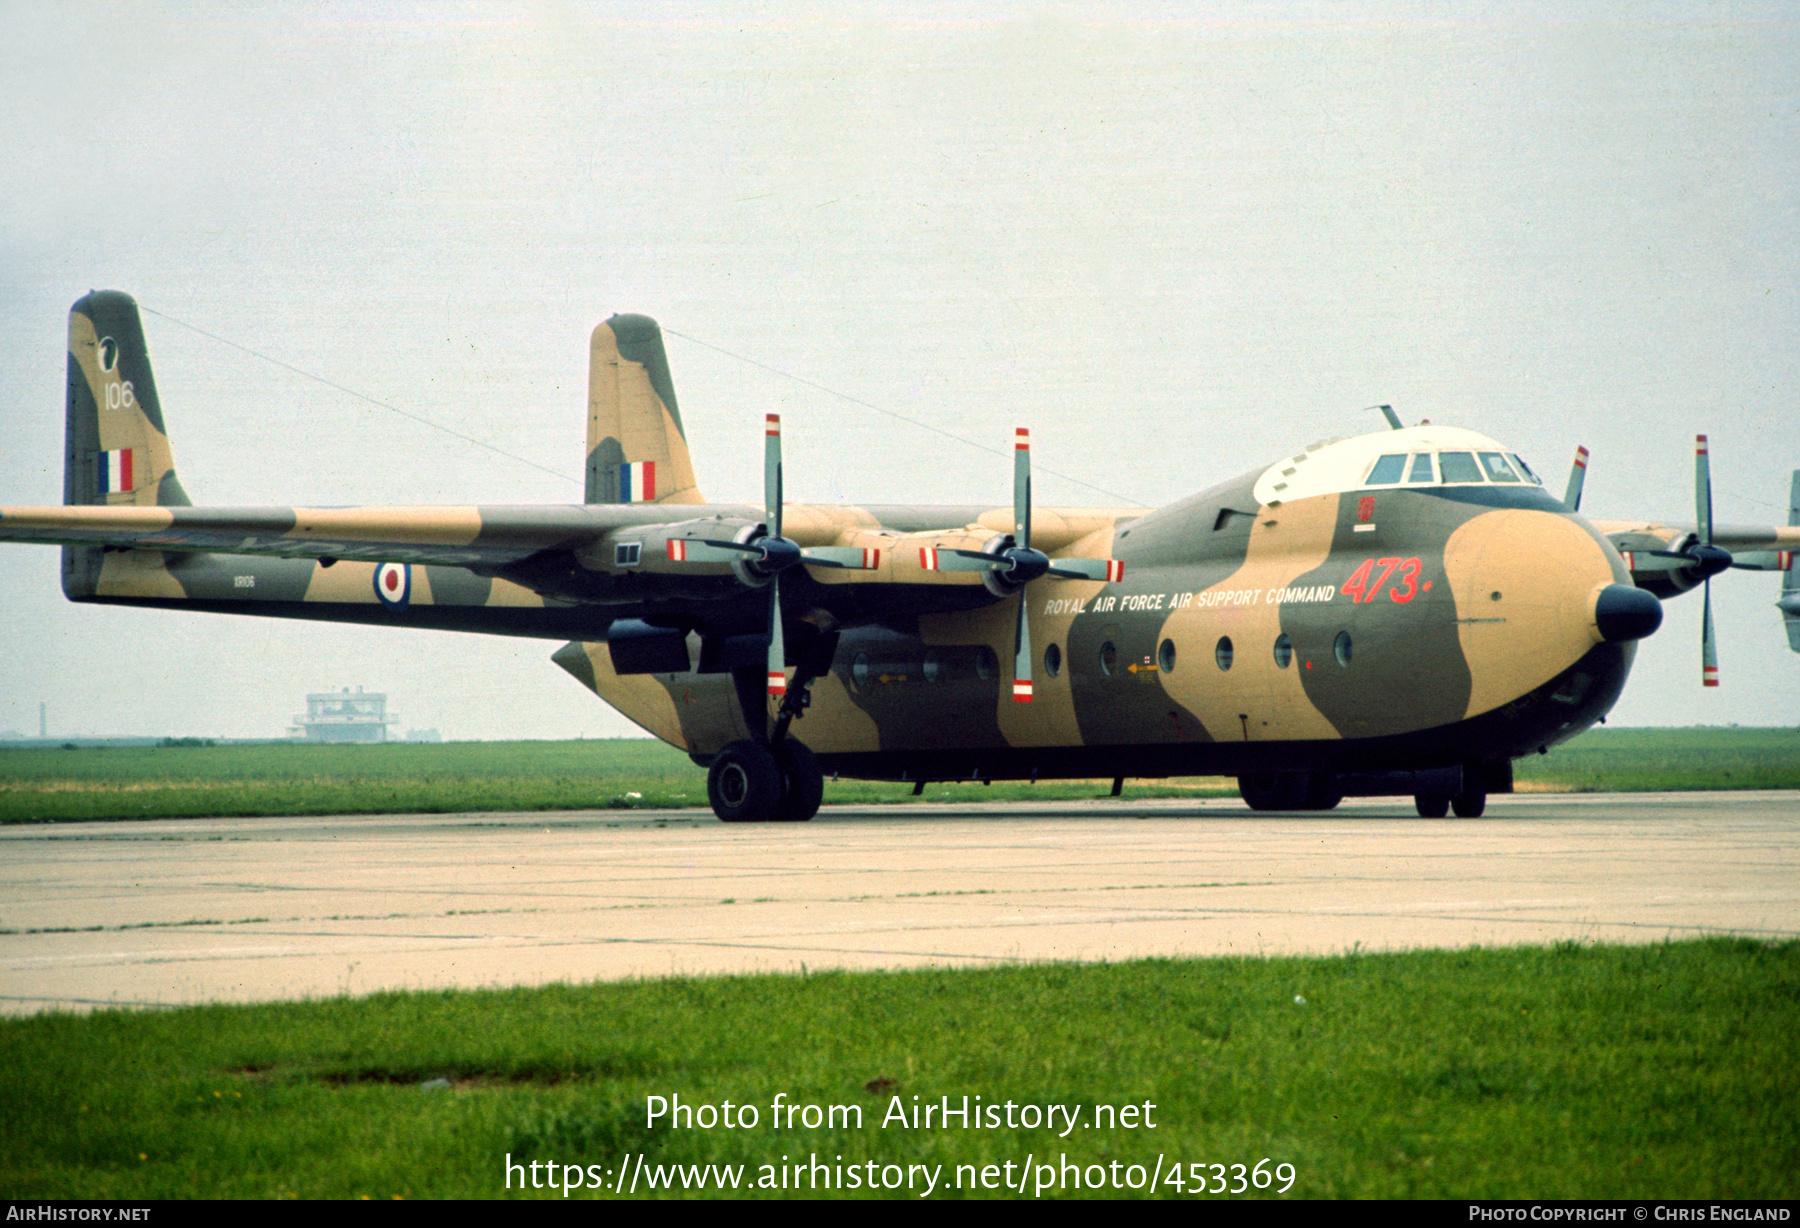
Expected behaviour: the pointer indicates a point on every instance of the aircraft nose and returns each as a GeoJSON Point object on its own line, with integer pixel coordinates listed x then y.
{"type": "Point", "coordinates": [1623, 612]}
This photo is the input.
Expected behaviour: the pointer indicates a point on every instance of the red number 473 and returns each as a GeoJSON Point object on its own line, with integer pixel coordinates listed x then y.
{"type": "Point", "coordinates": [1406, 583]}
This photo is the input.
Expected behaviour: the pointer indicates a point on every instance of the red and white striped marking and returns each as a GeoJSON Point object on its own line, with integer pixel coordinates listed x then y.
{"type": "Point", "coordinates": [677, 550]}
{"type": "Point", "coordinates": [772, 424]}
{"type": "Point", "coordinates": [777, 683]}
{"type": "Point", "coordinates": [928, 558]}
{"type": "Point", "coordinates": [1022, 439]}
{"type": "Point", "coordinates": [1021, 690]}
{"type": "Point", "coordinates": [1699, 445]}
{"type": "Point", "coordinates": [1784, 560]}
{"type": "Point", "coordinates": [1581, 455]}
{"type": "Point", "coordinates": [1115, 571]}
{"type": "Point", "coordinates": [871, 558]}
{"type": "Point", "coordinates": [1709, 675]}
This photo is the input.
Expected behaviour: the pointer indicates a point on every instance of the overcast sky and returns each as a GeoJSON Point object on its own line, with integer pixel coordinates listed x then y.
{"type": "Point", "coordinates": [1175, 241]}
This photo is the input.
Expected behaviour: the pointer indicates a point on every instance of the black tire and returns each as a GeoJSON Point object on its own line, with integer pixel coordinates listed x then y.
{"type": "Point", "coordinates": [802, 783]}
{"type": "Point", "coordinates": [1431, 805]}
{"type": "Point", "coordinates": [744, 783]}
{"type": "Point", "coordinates": [1470, 802]}
{"type": "Point", "coordinates": [1274, 790]}
{"type": "Point", "coordinates": [1323, 792]}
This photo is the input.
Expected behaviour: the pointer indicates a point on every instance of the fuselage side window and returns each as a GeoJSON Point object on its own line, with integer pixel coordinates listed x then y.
{"type": "Point", "coordinates": [1459, 467]}
{"type": "Point", "coordinates": [1387, 471]}
{"type": "Point", "coordinates": [1497, 468]}
{"type": "Point", "coordinates": [1421, 469]}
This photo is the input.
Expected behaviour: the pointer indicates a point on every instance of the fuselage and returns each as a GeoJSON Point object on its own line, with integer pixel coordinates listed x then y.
{"type": "Point", "coordinates": [1397, 601]}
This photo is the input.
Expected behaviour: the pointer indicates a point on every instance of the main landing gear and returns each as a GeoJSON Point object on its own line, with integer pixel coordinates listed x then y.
{"type": "Point", "coordinates": [780, 780]}
{"type": "Point", "coordinates": [753, 783]}
{"type": "Point", "coordinates": [1468, 803]}
{"type": "Point", "coordinates": [1290, 790]}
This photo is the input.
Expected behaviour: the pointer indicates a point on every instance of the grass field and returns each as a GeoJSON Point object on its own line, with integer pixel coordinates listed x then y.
{"type": "Point", "coordinates": [1663, 1071]}
{"type": "Point", "coordinates": [62, 785]}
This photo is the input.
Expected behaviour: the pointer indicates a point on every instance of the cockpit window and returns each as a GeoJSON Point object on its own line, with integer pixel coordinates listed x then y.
{"type": "Point", "coordinates": [1525, 469]}
{"type": "Point", "coordinates": [1497, 468]}
{"type": "Point", "coordinates": [1387, 471]}
{"type": "Point", "coordinates": [1459, 467]}
{"type": "Point", "coordinates": [1421, 469]}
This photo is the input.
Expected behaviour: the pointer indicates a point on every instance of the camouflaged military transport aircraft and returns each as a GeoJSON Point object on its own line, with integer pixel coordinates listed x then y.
{"type": "Point", "coordinates": [1400, 613]}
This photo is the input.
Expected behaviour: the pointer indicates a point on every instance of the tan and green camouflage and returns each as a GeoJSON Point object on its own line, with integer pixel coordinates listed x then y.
{"type": "Point", "coordinates": [1314, 627]}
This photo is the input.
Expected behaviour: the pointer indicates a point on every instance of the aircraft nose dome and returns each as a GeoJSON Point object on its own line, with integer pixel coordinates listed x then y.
{"type": "Point", "coordinates": [1623, 612]}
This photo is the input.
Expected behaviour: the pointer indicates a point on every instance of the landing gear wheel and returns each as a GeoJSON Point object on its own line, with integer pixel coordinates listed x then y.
{"type": "Point", "coordinates": [1323, 792]}
{"type": "Point", "coordinates": [802, 783]}
{"type": "Point", "coordinates": [1274, 790]}
{"type": "Point", "coordinates": [1470, 802]}
{"type": "Point", "coordinates": [744, 783]}
{"type": "Point", "coordinates": [1431, 805]}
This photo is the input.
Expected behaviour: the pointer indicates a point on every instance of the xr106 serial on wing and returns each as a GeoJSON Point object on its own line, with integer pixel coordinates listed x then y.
{"type": "Point", "coordinates": [1401, 613]}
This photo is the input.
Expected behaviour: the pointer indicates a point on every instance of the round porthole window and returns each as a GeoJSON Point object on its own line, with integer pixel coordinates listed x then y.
{"type": "Point", "coordinates": [1165, 657]}
{"type": "Point", "coordinates": [987, 665]}
{"type": "Point", "coordinates": [1340, 648]}
{"type": "Point", "coordinates": [1053, 660]}
{"type": "Point", "coordinates": [1109, 657]}
{"type": "Point", "coordinates": [1222, 654]}
{"type": "Point", "coordinates": [859, 669]}
{"type": "Point", "coordinates": [1284, 650]}
{"type": "Point", "coordinates": [934, 665]}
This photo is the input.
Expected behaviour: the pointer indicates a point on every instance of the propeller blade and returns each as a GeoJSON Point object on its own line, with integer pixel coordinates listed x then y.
{"type": "Point", "coordinates": [777, 649]}
{"type": "Point", "coordinates": [1703, 518]}
{"type": "Point", "coordinates": [700, 550]}
{"type": "Point", "coordinates": [1109, 570]}
{"type": "Point", "coordinates": [1022, 487]}
{"type": "Point", "coordinates": [855, 558]}
{"type": "Point", "coordinates": [931, 558]}
{"type": "Point", "coordinates": [1577, 479]}
{"type": "Point", "coordinates": [1022, 656]}
{"type": "Point", "coordinates": [1709, 648]}
{"type": "Point", "coordinates": [772, 473]}
{"type": "Point", "coordinates": [772, 513]}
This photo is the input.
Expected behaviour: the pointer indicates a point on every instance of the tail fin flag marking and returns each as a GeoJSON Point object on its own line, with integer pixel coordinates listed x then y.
{"type": "Point", "coordinates": [115, 472]}
{"type": "Point", "coordinates": [637, 482]}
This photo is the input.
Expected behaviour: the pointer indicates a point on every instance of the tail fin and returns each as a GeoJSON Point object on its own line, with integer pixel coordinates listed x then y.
{"type": "Point", "coordinates": [116, 449]}
{"type": "Point", "coordinates": [637, 452]}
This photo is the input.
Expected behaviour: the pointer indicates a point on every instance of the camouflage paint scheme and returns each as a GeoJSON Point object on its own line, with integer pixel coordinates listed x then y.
{"type": "Point", "coordinates": [1240, 639]}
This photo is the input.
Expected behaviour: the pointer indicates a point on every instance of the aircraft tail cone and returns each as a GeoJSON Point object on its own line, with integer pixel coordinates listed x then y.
{"type": "Point", "coordinates": [1623, 613]}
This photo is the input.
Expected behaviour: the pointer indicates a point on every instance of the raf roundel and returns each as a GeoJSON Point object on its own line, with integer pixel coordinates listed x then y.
{"type": "Point", "coordinates": [393, 585]}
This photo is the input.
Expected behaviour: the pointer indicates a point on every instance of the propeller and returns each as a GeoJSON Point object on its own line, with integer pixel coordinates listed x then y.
{"type": "Point", "coordinates": [761, 553]}
{"type": "Point", "coordinates": [1712, 560]}
{"type": "Point", "coordinates": [1012, 563]}
{"type": "Point", "coordinates": [1704, 559]}
{"type": "Point", "coordinates": [789, 552]}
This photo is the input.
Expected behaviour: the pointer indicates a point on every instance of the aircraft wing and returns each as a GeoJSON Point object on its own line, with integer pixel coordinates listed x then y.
{"type": "Point", "coordinates": [487, 537]}
{"type": "Point", "coordinates": [1737, 538]}
{"type": "Point", "coordinates": [685, 560]}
